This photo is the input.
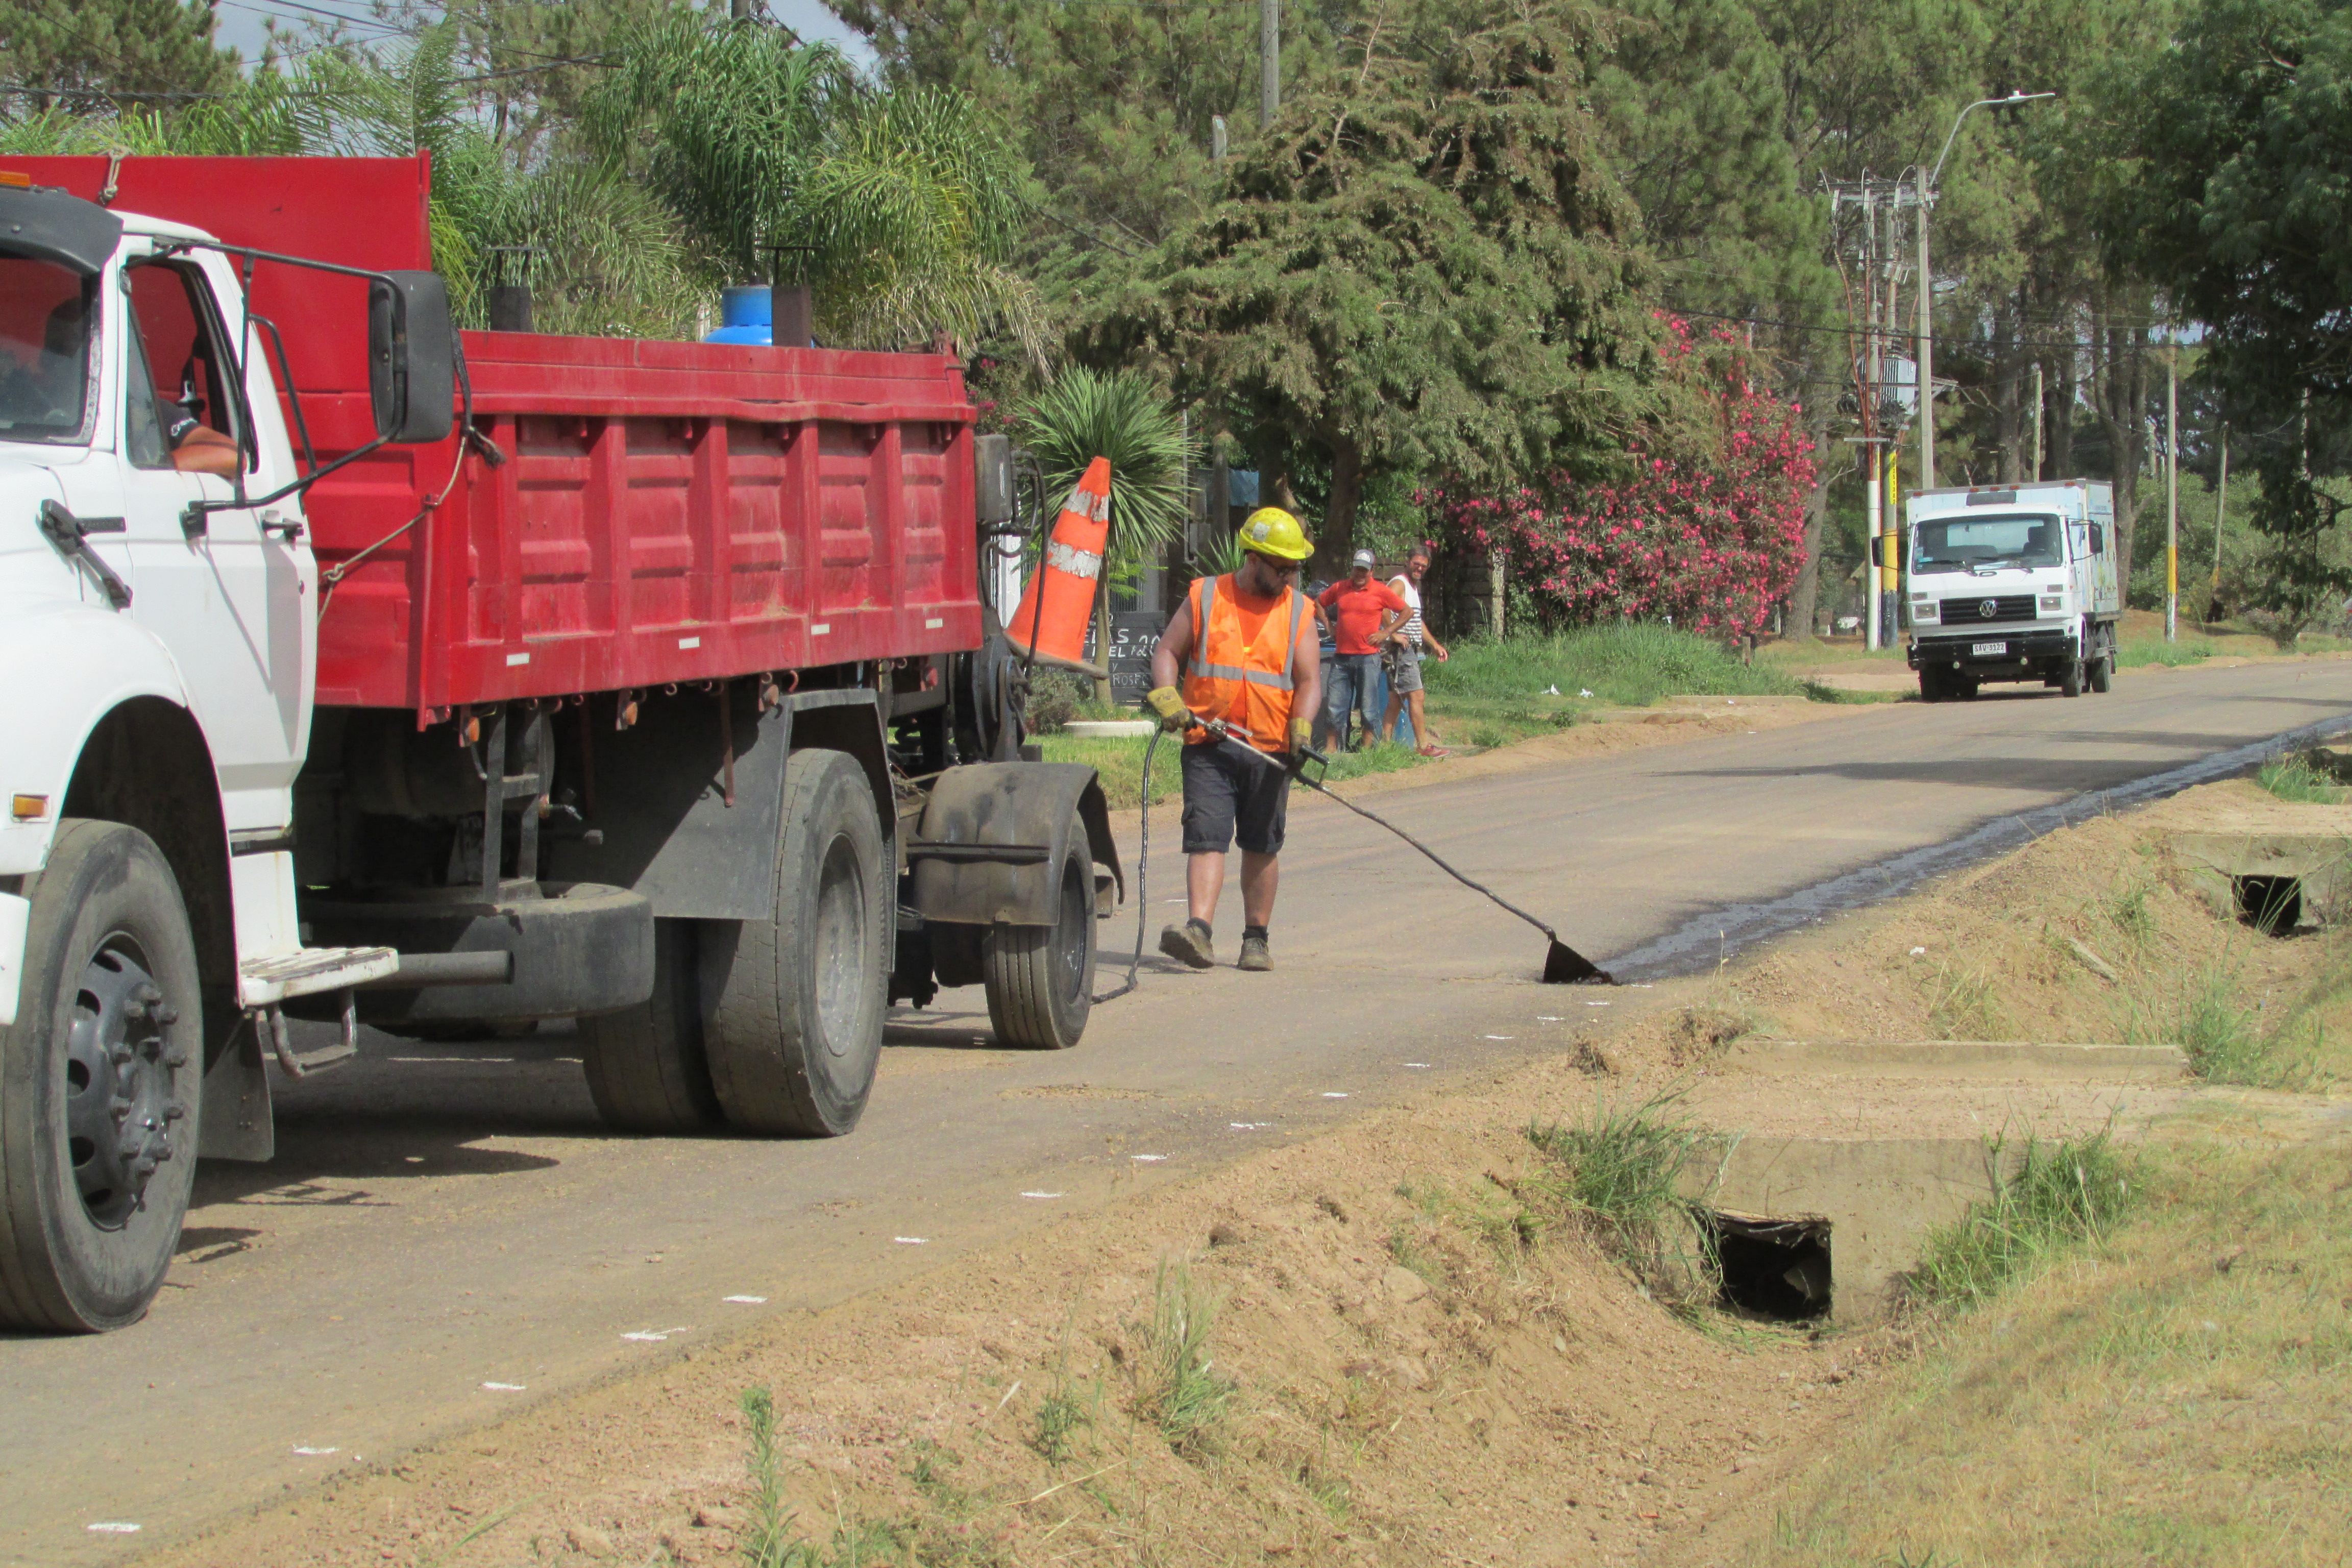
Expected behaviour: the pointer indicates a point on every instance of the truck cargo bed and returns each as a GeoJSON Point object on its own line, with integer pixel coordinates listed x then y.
{"type": "Point", "coordinates": [667, 512]}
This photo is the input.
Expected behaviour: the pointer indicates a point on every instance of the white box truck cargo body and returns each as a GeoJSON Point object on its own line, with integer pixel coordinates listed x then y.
{"type": "Point", "coordinates": [2012, 582]}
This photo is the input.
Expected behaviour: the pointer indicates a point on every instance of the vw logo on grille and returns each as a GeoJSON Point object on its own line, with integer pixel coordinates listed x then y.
{"type": "Point", "coordinates": [1988, 608]}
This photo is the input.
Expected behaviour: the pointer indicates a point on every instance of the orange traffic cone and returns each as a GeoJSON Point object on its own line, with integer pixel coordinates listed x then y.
{"type": "Point", "coordinates": [1050, 624]}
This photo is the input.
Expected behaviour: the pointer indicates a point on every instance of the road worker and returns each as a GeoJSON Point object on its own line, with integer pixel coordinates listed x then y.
{"type": "Point", "coordinates": [1246, 650]}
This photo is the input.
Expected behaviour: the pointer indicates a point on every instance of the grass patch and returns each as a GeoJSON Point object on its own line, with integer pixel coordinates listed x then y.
{"type": "Point", "coordinates": [2206, 1013]}
{"type": "Point", "coordinates": [2173, 1395]}
{"type": "Point", "coordinates": [1964, 1005]}
{"type": "Point", "coordinates": [1177, 1389]}
{"type": "Point", "coordinates": [2060, 1197]}
{"type": "Point", "coordinates": [1619, 1172]}
{"type": "Point", "coordinates": [1118, 761]}
{"type": "Point", "coordinates": [1631, 663]}
{"type": "Point", "coordinates": [2300, 780]}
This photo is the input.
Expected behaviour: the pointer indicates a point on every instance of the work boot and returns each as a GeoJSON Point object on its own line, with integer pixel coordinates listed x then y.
{"type": "Point", "coordinates": [1189, 943]}
{"type": "Point", "coordinates": [1253, 954]}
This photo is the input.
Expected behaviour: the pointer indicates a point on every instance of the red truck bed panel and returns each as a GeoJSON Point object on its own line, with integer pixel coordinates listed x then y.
{"type": "Point", "coordinates": [668, 511]}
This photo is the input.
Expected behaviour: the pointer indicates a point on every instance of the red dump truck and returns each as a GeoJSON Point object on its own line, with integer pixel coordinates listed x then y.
{"type": "Point", "coordinates": [366, 671]}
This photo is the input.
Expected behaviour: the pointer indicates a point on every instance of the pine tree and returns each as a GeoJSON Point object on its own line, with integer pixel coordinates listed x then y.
{"type": "Point", "coordinates": [76, 51]}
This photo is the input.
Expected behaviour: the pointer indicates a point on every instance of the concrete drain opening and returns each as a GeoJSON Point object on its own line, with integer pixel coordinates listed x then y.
{"type": "Point", "coordinates": [1774, 1268]}
{"type": "Point", "coordinates": [2272, 905]}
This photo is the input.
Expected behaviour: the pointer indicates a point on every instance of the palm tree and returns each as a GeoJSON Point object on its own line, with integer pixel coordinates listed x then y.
{"type": "Point", "coordinates": [900, 209]}
{"type": "Point", "coordinates": [1118, 414]}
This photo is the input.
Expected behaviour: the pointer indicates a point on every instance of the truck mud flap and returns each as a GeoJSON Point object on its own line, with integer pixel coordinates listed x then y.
{"type": "Point", "coordinates": [992, 836]}
{"type": "Point", "coordinates": [583, 948]}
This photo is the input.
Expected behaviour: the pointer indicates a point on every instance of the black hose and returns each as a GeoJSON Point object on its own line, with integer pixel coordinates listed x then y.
{"type": "Point", "coordinates": [1142, 863]}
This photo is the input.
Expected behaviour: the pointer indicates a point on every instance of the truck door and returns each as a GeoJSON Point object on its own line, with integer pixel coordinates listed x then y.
{"type": "Point", "coordinates": [232, 605]}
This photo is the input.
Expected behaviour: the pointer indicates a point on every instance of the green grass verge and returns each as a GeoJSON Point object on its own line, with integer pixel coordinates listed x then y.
{"type": "Point", "coordinates": [1619, 1172]}
{"type": "Point", "coordinates": [2299, 780]}
{"type": "Point", "coordinates": [2060, 1195]}
{"type": "Point", "coordinates": [1631, 665]}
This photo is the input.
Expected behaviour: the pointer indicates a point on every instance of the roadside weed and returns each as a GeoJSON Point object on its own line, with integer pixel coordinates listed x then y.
{"type": "Point", "coordinates": [1964, 1004]}
{"type": "Point", "coordinates": [2295, 778]}
{"type": "Point", "coordinates": [768, 1541]}
{"type": "Point", "coordinates": [2060, 1194]}
{"type": "Point", "coordinates": [2204, 1014]}
{"type": "Point", "coordinates": [1620, 1172]}
{"type": "Point", "coordinates": [1177, 1389]}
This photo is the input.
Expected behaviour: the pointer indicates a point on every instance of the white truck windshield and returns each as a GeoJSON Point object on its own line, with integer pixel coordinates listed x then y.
{"type": "Point", "coordinates": [2009, 539]}
{"type": "Point", "coordinates": [44, 320]}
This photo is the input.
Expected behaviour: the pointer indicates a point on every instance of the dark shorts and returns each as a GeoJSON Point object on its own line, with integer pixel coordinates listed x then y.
{"type": "Point", "coordinates": [1227, 796]}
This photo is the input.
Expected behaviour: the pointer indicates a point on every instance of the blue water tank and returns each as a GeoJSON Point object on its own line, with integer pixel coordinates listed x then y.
{"type": "Point", "coordinates": [746, 315]}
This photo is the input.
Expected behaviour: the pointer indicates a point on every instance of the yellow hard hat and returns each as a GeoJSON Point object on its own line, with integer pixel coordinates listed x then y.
{"type": "Point", "coordinates": [1271, 531]}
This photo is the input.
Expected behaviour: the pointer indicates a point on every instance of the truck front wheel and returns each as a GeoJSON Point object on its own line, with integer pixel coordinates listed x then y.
{"type": "Point", "coordinates": [646, 1069]}
{"type": "Point", "coordinates": [1041, 979]}
{"type": "Point", "coordinates": [98, 1083]}
{"type": "Point", "coordinates": [795, 1004]}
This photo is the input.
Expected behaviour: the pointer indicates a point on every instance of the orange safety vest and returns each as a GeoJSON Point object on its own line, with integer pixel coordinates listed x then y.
{"type": "Point", "coordinates": [1239, 669]}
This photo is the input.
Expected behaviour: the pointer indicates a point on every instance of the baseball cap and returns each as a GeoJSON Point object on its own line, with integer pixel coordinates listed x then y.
{"type": "Point", "coordinates": [1363, 558]}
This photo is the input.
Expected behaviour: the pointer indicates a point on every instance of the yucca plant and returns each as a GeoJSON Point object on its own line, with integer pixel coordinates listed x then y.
{"type": "Point", "coordinates": [1083, 415]}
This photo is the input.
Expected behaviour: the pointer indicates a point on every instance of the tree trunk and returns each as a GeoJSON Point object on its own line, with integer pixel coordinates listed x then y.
{"type": "Point", "coordinates": [2120, 394]}
{"type": "Point", "coordinates": [1803, 597]}
{"type": "Point", "coordinates": [2006, 364]}
{"type": "Point", "coordinates": [2062, 416]}
{"type": "Point", "coordinates": [1336, 541]}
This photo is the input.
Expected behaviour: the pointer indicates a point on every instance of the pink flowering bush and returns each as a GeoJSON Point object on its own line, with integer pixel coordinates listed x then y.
{"type": "Point", "coordinates": [1713, 539]}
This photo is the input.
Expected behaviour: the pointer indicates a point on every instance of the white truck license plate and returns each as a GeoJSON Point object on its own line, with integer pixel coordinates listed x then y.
{"type": "Point", "coordinates": [1987, 649]}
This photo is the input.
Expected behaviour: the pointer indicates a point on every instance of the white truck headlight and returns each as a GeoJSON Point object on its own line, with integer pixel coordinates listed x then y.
{"type": "Point", "coordinates": [2053, 601]}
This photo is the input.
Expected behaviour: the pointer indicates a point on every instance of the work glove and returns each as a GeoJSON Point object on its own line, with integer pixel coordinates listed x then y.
{"type": "Point", "coordinates": [1168, 703]}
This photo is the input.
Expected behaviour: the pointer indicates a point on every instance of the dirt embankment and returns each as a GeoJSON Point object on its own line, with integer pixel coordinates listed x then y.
{"type": "Point", "coordinates": [1399, 1343]}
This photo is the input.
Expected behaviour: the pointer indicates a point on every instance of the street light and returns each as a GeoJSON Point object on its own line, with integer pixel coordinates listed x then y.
{"type": "Point", "coordinates": [1927, 181]}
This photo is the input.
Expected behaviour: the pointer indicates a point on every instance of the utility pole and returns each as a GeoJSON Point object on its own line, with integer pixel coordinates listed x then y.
{"type": "Point", "coordinates": [2172, 494]}
{"type": "Point", "coordinates": [1269, 60]}
{"type": "Point", "coordinates": [1926, 354]}
{"type": "Point", "coordinates": [1873, 510]}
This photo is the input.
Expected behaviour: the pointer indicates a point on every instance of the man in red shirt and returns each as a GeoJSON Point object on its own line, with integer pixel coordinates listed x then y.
{"type": "Point", "coordinates": [1367, 612]}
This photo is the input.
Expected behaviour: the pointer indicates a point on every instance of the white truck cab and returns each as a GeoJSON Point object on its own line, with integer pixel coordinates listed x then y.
{"type": "Point", "coordinates": [2012, 582]}
{"type": "Point", "coordinates": [158, 621]}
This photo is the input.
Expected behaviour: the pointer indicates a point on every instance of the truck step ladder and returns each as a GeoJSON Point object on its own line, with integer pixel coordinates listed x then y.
{"type": "Point", "coordinates": [266, 982]}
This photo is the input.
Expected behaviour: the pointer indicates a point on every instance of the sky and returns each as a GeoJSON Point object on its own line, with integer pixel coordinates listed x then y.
{"type": "Point", "coordinates": [242, 22]}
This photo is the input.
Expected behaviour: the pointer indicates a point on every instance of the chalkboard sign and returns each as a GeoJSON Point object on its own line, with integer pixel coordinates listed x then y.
{"type": "Point", "coordinates": [1133, 635]}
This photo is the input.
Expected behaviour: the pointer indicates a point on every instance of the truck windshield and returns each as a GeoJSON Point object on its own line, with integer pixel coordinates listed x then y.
{"type": "Point", "coordinates": [2011, 538]}
{"type": "Point", "coordinates": [46, 311]}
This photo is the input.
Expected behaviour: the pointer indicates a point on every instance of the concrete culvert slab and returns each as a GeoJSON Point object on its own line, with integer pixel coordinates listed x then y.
{"type": "Point", "coordinates": [1773, 1269]}
{"type": "Point", "coordinates": [2272, 905]}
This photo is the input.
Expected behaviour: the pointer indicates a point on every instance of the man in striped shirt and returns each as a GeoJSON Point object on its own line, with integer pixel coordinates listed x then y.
{"type": "Point", "coordinates": [1401, 658]}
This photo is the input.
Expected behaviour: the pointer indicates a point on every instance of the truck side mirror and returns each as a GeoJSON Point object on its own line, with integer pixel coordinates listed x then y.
{"type": "Point", "coordinates": [412, 359]}
{"type": "Point", "coordinates": [2099, 538]}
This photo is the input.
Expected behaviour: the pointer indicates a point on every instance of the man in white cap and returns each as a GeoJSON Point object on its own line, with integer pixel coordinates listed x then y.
{"type": "Point", "coordinates": [1367, 612]}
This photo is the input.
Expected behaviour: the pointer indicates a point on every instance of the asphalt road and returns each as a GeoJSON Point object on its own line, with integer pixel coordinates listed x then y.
{"type": "Point", "coordinates": [447, 1235]}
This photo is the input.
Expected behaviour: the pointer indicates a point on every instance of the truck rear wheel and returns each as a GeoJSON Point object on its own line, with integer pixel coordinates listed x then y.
{"type": "Point", "coordinates": [1041, 979]}
{"type": "Point", "coordinates": [647, 1069]}
{"type": "Point", "coordinates": [99, 1078]}
{"type": "Point", "coordinates": [795, 1004]}
{"type": "Point", "coordinates": [2070, 679]}
{"type": "Point", "coordinates": [2103, 667]}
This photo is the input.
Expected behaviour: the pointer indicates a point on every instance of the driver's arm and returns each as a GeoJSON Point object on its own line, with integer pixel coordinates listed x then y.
{"type": "Point", "coordinates": [204, 450]}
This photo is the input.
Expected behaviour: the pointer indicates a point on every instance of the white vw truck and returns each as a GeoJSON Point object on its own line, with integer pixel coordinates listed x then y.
{"type": "Point", "coordinates": [158, 623]}
{"type": "Point", "coordinates": [2012, 582]}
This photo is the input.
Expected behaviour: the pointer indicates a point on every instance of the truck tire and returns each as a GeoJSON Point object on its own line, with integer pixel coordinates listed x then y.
{"type": "Point", "coordinates": [2103, 669]}
{"type": "Point", "coordinates": [646, 1069]}
{"type": "Point", "coordinates": [1041, 979]}
{"type": "Point", "coordinates": [2070, 679]}
{"type": "Point", "coordinates": [99, 1078]}
{"type": "Point", "coordinates": [794, 1005]}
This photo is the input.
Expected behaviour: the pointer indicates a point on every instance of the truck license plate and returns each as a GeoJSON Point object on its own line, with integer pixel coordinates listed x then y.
{"type": "Point", "coordinates": [1987, 649]}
